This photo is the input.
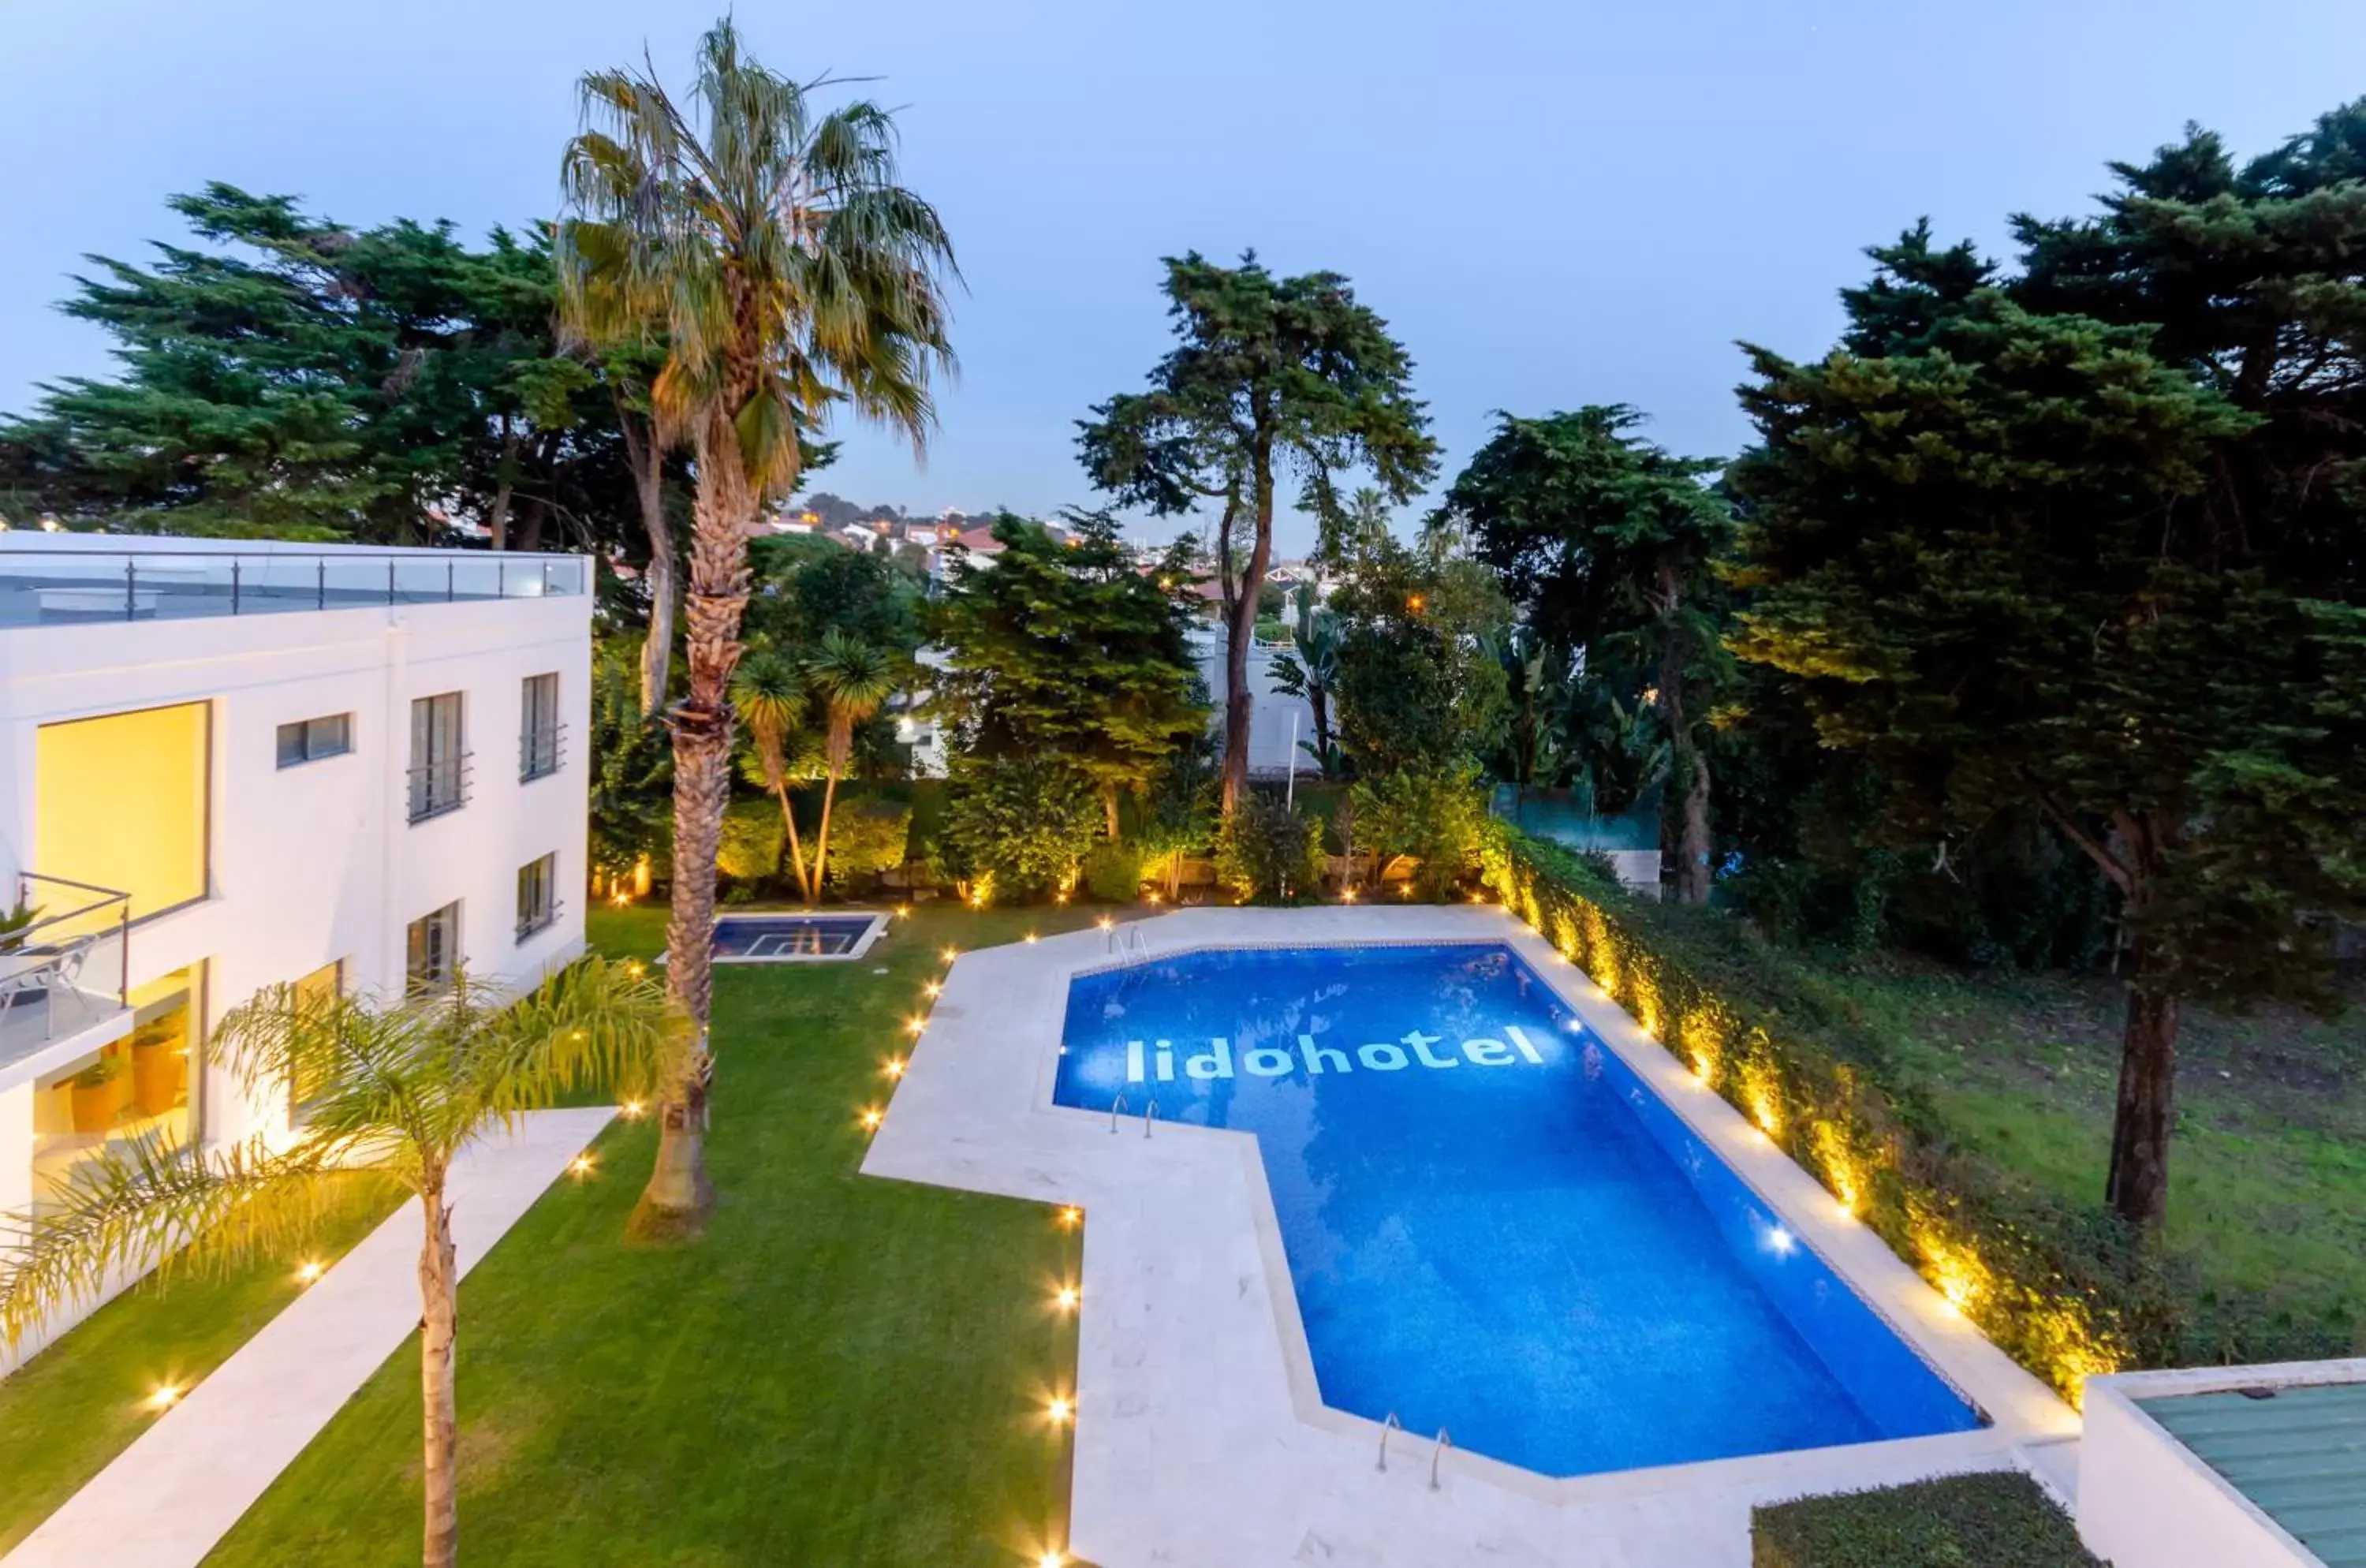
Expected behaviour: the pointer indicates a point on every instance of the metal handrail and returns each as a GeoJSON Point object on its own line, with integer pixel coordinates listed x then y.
{"type": "Point", "coordinates": [252, 581]}
{"type": "Point", "coordinates": [1117, 1109]}
{"type": "Point", "coordinates": [1149, 1114]}
{"type": "Point", "coordinates": [544, 747]}
{"type": "Point", "coordinates": [425, 799]}
{"type": "Point", "coordinates": [1445, 1441]}
{"type": "Point", "coordinates": [1389, 1424]}
{"type": "Point", "coordinates": [58, 943]}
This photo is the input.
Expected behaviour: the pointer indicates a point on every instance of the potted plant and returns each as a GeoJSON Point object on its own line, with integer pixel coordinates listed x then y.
{"type": "Point", "coordinates": [158, 1067]}
{"type": "Point", "coordinates": [100, 1092]}
{"type": "Point", "coordinates": [12, 922]}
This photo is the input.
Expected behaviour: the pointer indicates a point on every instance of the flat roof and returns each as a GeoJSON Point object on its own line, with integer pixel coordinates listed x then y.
{"type": "Point", "coordinates": [55, 580]}
{"type": "Point", "coordinates": [2298, 1453]}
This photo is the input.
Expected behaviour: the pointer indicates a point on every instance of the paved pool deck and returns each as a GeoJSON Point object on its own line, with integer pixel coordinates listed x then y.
{"type": "Point", "coordinates": [1201, 1439]}
{"type": "Point", "coordinates": [165, 1501]}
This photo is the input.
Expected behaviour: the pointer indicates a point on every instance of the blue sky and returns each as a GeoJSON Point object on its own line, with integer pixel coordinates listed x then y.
{"type": "Point", "coordinates": [1553, 203]}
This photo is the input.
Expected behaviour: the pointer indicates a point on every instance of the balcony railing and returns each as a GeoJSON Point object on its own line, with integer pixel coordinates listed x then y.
{"type": "Point", "coordinates": [46, 584]}
{"type": "Point", "coordinates": [439, 786]}
{"type": "Point", "coordinates": [70, 962]}
{"type": "Point", "coordinates": [539, 752]}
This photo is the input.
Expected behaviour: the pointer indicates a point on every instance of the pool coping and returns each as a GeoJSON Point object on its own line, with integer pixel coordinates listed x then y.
{"type": "Point", "coordinates": [872, 933]}
{"type": "Point", "coordinates": [974, 1108]}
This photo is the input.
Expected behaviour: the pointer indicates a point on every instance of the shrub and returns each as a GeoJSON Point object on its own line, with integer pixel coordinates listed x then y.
{"type": "Point", "coordinates": [1023, 822]}
{"type": "Point", "coordinates": [1997, 1520]}
{"type": "Point", "coordinates": [2062, 1290]}
{"type": "Point", "coordinates": [752, 840]}
{"type": "Point", "coordinates": [1436, 813]}
{"type": "Point", "coordinates": [1267, 852]}
{"type": "Point", "coordinates": [1113, 871]}
{"type": "Point", "coordinates": [866, 836]}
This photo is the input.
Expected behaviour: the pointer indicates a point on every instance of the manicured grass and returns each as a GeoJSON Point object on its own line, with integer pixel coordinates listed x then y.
{"type": "Point", "coordinates": [74, 1408]}
{"type": "Point", "coordinates": [845, 1371]}
{"type": "Point", "coordinates": [1966, 1521]}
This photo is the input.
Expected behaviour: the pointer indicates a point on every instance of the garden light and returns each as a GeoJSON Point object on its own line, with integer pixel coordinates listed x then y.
{"type": "Point", "coordinates": [895, 1067]}
{"type": "Point", "coordinates": [1105, 923]}
{"type": "Point", "coordinates": [1066, 1299]}
{"type": "Point", "coordinates": [307, 1273]}
{"type": "Point", "coordinates": [903, 911]}
{"type": "Point", "coordinates": [165, 1397]}
{"type": "Point", "coordinates": [1030, 936]}
{"type": "Point", "coordinates": [1069, 1218]}
{"type": "Point", "coordinates": [950, 953]}
{"type": "Point", "coordinates": [914, 1024]}
{"type": "Point", "coordinates": [579, 1167]}
{"type": "Point", "coordinates": [870, 1120]}
{"type": "Point", "coordinates": [931, 990]}
{"type": "Point", "coordinates": [1060, 1412]}
{"type": "Point", "coordinates": [632, 1110]}
{"type": "Point", "coordinates": [1051, 1559]}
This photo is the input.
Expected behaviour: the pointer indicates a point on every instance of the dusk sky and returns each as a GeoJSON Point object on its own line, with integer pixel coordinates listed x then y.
{"type": "Point", "coordinates": [1553, 203]}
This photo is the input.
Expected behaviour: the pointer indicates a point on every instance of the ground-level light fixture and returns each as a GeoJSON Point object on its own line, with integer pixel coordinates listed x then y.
{"type": "Point", "coordinates": [1030, 936]}
{"type": "Point", "coordinates": [1052, 1559]}
{"type": "Point", "coordinates": [1066, 1300]}
{"type": "Point", "coordinates": [931, 989]}
{"type": "Point", "coordinates": [1060, 1411]}
{"type": "Point", "coordinates": [895, 1067]}
{"type": "Point", "coordinates": [871, 1118]}
{"type": "Point", "coordinates": [165, 1396]}
{"type": "Point", "coordinates": [308, 1271]}
{"type": "Point", "coordinates": [950, 953]}
{"type": "Point", "coordinates": [579, 1167]}
{"type": "Point", "coordinates": [1070, 1218]}
{"type": "Point", "coordinates": [1105, 922]}
{"type": "Point", "coordinates": [633, 1109]}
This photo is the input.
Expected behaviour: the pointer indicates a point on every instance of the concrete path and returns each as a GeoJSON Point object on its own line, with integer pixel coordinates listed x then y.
{"type": "Point", "coordinates": [168, 1498]}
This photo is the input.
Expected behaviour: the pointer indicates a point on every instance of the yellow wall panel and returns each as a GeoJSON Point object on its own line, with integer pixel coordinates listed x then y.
{"type": "Point", "coordinates": [121, 802]}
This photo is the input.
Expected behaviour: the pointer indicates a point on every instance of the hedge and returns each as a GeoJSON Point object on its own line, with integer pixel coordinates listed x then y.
{"type": "Point", "coordinates": [1997, 1520]}
{"type": "Point", "coordinates": [2060, 1290]}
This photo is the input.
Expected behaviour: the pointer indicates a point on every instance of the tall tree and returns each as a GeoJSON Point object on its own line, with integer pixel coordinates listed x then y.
{"type": "Point", "coordinates": [391, 1094]}
{"type": "Point", "coordinates": [790, 271]}
{"type": "Point", "coordinates": [1067, 649]}
{"type": "Point", "coordinates": [1607, 542]}
{"type": "Point", "coordinates": [769, 693]}
{"type": "Point", "coordinates": [1419, 687]}
{"type": "Point", "coordinates": [1270, 376]}
{"type": "Point", "coordinates": [2016, 560]}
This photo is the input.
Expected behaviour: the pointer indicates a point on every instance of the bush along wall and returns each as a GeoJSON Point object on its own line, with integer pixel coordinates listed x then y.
{"type": "Point", "coordinates": [2061, 1292]}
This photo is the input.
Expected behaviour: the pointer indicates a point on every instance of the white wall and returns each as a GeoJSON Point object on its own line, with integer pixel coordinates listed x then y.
{"type": "Point", "coordinates": [1270, 711]}
{"type": "Point", "coordinates": [317, 863]}
{"type": "Point", "coordinates": [2147, 1501]}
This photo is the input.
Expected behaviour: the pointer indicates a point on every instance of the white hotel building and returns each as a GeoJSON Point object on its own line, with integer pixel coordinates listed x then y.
{"type": "Point", "coordinates": [234, 764]}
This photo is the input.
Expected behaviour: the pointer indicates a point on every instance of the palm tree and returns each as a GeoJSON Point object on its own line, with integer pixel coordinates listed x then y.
{"type": "Point", "coordinates": [772, 248]}
{"type": "Point", "coordinates": [853, 678]}
{"type": "Point", "coordinates": [1313, 671]}
{"type": "Point", "coordinates": [769, 694]}
{"type": "Point", "coordinates": [391, 1093]}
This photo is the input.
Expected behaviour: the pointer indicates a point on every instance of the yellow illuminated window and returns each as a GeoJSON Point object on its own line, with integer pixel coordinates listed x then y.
{"type": "Point", "coordinates": [120, 803]}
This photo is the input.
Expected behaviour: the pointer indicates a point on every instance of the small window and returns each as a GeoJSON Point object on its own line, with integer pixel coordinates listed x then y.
{"type": "Point", "coordinates": [538, 904]}
{"type": "Point", "coordinates": [538, 727]}
{"type": "Point", "coordinates": [309, 740]}
{"type": "Point", "coordinates": [432, 949]}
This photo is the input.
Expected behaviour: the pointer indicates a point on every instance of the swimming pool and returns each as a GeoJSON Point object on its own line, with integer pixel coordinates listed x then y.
{"type": "Point", "coordinates": [756, 938]}
{"type": "Point", "coordinates": [1491, 1225]}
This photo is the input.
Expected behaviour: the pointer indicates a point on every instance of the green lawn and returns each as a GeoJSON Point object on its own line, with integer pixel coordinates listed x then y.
{"type": "Point", "coordinates": [2268, 1176]}
{"type": "Point", "coordinates": [74, 1408]}
{"type": "Point", "coordinates": [845, 1371]}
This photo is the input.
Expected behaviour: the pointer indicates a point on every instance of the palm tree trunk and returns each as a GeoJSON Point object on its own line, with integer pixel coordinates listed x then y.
{"type": "Point", "coordinates": [821, 841]}
{"type": "Point", "coordinates": [1692, 768]}
{"type": "Point", "coordinates": [438, 1322]}
{"type": "Point", "coordinates": [722, 515]}
{"type": "Point", "coordinates": [796, 849]}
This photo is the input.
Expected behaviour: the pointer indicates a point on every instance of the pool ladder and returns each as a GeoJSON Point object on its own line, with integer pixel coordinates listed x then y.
{"type": "Point", "coordinates": [1126, 939]}
{"type": "Point", "coordinates": [1436, 1452]}
{"type": "Point", "coordinates": [1149, 1114]}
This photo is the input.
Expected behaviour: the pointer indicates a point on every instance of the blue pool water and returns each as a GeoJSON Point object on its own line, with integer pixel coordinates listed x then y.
{"type": "Point", "coordinates": [1491, 1225]}
{"type": "Point", "coordinates": [790, 936]}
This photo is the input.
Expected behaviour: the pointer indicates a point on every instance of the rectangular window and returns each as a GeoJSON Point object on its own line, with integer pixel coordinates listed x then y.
{"type": "Point", "coordinates": [321, 989]}
{"type": "Point", "coordinates": [537, 902]}
{"type": "Point", "coordinates": [122, 803]}
{"type": "Point", "coordinates": [439, 763]}
{"type": "Point", "coordinates": [538, 727]}
{"type": "Point", "coordinates": [431, 949]}
{"type": "Point", "coordinates": [309, 740]}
